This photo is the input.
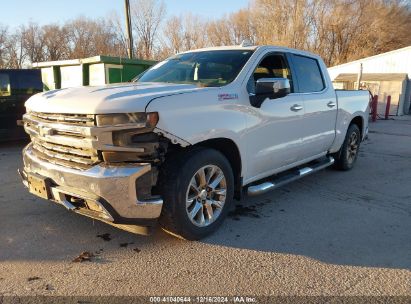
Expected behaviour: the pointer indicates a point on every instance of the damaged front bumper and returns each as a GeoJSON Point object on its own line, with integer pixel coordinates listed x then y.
{"type": "Point", "coordinates": [104, 192]}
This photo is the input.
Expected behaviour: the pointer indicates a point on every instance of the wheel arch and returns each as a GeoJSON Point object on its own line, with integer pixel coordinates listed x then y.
{"type": "Point", "coordinates": [230, 150]}
{"type": "Point", "coordinates": [359, 121]}
{"type": "Point", "coordinates": [344, 120]}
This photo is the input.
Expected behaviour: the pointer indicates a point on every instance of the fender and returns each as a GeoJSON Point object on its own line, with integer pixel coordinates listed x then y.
{"type": "Point", "coordinates": [344, 119]}
{"type": "Point", "coordinates": [195, 117]}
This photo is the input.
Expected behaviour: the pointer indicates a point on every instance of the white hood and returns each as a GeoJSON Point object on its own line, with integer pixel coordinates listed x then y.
{"type": "Point", "coordinates": [115, 98]}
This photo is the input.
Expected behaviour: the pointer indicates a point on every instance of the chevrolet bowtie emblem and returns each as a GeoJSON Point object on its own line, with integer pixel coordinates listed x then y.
{"type": "Point", "coordinates": [44, 131]}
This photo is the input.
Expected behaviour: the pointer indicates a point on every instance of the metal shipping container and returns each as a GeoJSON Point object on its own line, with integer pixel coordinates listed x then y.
{"type": "Point", "coordinates": [98, 70]}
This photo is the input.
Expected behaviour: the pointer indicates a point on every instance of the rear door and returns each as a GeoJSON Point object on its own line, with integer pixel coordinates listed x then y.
{"type": "Point", "coordinates": [318, 125]}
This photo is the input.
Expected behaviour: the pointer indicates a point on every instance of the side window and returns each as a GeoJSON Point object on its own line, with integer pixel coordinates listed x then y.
{"type": "Point", "coordinates": [5, 89]}
{"type": "Point", "coordinates": [308, 74]}
{"type": "Point", "coordinates": [272, 66]}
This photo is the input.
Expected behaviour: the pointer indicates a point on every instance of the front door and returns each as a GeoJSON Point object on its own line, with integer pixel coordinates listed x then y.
{"type": "Point", "coordinates": [274, 129]}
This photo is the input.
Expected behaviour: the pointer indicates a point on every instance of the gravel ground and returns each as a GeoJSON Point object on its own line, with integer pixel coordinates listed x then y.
{"type": "Point", "coordinates": [332, 233]}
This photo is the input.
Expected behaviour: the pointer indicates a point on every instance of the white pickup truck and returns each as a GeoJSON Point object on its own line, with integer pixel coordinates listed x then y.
{"type": "Point", "coordinates": [189, 135]}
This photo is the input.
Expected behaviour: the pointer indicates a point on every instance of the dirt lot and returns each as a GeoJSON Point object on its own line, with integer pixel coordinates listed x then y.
{"type": "Point", "coordinates": [331, 233]}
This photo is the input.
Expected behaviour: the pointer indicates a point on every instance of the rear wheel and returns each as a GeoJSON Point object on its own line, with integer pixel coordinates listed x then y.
{"type": "Point", "coordinates": [346, 157]}
{"type": "Point", "coordinates": [197, 189]}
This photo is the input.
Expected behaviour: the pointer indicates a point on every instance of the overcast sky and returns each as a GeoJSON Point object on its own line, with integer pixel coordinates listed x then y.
{"type": "Point", "coordinates": [15, 12]}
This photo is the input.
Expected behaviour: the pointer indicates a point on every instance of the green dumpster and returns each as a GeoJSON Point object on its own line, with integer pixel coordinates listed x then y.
{"type": "Point", "coordinates": [93, 71]}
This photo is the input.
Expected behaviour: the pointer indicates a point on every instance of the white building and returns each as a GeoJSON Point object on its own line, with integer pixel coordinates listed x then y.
{"type": "Point", "coordinates": [384, 74]}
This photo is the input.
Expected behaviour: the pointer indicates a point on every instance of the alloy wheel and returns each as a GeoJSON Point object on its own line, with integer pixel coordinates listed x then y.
{"type": "Point", "coordinates": [206, 195]}
{"type": "Point", "coordinates": [352, 148]}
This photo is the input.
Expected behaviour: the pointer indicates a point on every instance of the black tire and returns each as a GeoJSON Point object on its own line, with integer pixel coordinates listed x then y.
{"type": "Point", "coordinates": [347, 156]}
{"type": "Point", "coordinates": [175, 178]}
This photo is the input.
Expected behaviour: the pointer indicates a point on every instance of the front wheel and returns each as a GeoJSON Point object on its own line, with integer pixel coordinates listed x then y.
{"type": "Point", "coordinates": [197, 189]}
{"type": "Point", "coordinates": [346, 157]}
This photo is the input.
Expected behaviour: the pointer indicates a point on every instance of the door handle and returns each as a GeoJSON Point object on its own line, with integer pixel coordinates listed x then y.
{"type": "Point", "coordinates": [331, 104]}
{"type": "Point", "coordinates": [296, 108]}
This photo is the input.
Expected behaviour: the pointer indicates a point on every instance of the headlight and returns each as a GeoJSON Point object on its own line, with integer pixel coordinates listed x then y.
{"type": "Point", "coordinates": [149, 120]}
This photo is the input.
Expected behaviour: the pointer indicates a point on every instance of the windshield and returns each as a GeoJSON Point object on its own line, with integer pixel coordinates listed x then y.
{"type": "Point", "coordinates": [208, 68]}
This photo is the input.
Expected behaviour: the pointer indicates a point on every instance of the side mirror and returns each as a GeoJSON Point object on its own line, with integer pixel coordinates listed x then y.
{"type": "Point", "coordinates": [272, 87]}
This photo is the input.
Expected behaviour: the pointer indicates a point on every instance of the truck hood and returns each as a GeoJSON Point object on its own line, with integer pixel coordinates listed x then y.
{"type": "Point", "coordinates": [115, 98]}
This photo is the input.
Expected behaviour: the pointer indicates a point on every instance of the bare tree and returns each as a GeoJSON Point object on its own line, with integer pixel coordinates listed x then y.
{"type": "Point", "coordinates": [56, 42]}
{"type": "Point", "coordinates": [232, 29]}
{"type": "Point", "coordinates": [3, 47]}
{"type": "Point", "coordinates": [281, 22]}
{"type": "Point", "coordinates": [219, 32]}
{"type": "Point", "coordinates": [243, 26]}
{"type": "Point", "coordinates": [147, 16]}
{"type": "Point", "coordinates": [184, 33]}
{"type": "Point", "coordinates": [338, 30]}
{"type": "Point", "coordinates": [33, 42]}
{"type": "Point", "coordinates": [173, 36]}
{"type": "Point", "coordinates": [195, 35]}
{"type": "Point", "coordinates": [116, 23]}
{"type": "Point", "coordinates": [89, 37]}
{"type": "Point", "coordinates": [80, 32]}
{"type": "Point", "coordinates": [389, 29]}
{"type": "Point", "coordinates": [342, 30]}
{"type": "Point", "coordinates": [16, 55]}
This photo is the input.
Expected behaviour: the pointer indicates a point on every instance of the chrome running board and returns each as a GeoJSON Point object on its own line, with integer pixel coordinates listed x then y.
{"type": "Point", "coordinates": [289, 176]}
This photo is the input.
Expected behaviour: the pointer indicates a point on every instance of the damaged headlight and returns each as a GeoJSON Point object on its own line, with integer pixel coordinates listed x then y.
{"type": "Point", "coordinates": [146, 146]}
{"type": "Point", "coordinates": [140, 120]}
{"type": "Point", "coordinates": [132, 137]}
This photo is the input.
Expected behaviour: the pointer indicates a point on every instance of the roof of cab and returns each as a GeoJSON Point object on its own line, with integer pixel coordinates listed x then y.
{"type": "Point", "coordinates": [253, 48]}
{"type": "Point", "coordinates": [224, 48]}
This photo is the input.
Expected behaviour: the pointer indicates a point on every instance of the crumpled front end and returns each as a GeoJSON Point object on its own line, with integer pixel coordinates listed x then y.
{"type": "Point", "coordinates": [78, 164]}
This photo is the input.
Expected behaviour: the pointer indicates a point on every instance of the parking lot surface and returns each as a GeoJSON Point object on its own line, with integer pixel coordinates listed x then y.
{"type": "Point", "coordinates": [331, 233]}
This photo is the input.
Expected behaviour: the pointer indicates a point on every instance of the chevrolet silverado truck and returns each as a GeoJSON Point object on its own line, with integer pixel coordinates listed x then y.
{"type": "Point", "coordinates": [178, 144]}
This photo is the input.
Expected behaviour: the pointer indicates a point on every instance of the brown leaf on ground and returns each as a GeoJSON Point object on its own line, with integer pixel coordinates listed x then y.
{"type": "Point", "coordinates": [33, 279]}
{"type": "Point", "coordinates": [83, 257]}
{"type": "Point", "coordinates": [136, 250]}
{"type": "Point", "coordinates": [105, 236]}
{"type": "Point", "coordinates": [125, 244]}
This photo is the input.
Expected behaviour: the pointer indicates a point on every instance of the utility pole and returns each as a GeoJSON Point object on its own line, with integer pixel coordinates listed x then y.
{"type": "Point", "coordinates": [128, 29]}
{"type": "Point", "coordinates": [359, 77]}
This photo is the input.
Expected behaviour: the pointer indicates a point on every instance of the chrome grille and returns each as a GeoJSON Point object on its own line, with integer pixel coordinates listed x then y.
{"type": "Point", "coordinates": [75, 119]}
{"type": "Point", "coordinates": [62, 139]}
